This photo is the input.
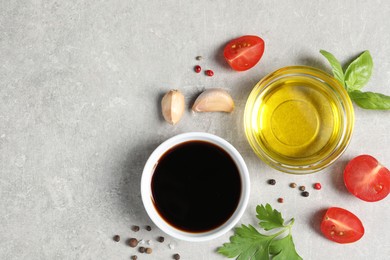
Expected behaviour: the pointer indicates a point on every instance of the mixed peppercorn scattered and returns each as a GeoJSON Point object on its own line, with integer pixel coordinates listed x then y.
{"type": "Point", "coordinates": [302, 188]}
{"type": "Point", "coordinates": [134, 242]}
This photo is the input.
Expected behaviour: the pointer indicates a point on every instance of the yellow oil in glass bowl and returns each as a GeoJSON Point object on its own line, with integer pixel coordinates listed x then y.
{"type": "Point", "coordinates": [298, 119]}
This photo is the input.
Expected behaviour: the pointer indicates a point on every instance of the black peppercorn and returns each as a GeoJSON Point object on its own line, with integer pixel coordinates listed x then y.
{"type": "Point", "coordinates": [133, 242]}
{"type": "Point", "coordinates": [305, 194]}
{"type": "Point", "coordinates": [117, 238]}
{"type": "Point", "coordinates": [271, 182]}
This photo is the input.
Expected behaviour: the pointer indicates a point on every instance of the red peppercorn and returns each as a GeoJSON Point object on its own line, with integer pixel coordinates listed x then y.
{"type": "Point", "coordinates": [197, 69]}
{"type": "Point", "coordinates": [209, 73]}
{"type": "Point", "coordinates": [317, 186]}
{"type": "Point", "coordinates": [280, 200]}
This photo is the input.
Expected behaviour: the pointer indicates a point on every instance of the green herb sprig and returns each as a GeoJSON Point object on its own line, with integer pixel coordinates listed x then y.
{"type": "Point", "coordinates": [355, 78]}
{"type": "Point", "coordinates": [249, 244]}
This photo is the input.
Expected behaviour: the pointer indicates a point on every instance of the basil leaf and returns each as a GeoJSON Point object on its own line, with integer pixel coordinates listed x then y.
{"type": "Point", "coordinates": [359, 72]}
{"type": "Point", "coordinates": [370, 100]}
{"type": "Point", "coordinates": [336, 66]}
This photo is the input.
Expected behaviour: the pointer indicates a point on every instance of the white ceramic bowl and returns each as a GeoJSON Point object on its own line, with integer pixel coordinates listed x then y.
{"type": "Point", "coordinates": [146, 192]}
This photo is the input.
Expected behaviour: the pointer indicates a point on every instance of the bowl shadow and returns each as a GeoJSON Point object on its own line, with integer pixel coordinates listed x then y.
{"type": "Point", "coordinates": [130, 186]}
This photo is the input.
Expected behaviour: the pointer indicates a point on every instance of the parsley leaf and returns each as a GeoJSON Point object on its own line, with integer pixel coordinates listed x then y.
{"type": "Point", "coordinates": [269, 219]}
{"type": "Point", "coordinates": [246, 244]}
{"type": "Point", "coordinates": [283, 249]}
{"type": "Point", "coordinates": [249, 244]}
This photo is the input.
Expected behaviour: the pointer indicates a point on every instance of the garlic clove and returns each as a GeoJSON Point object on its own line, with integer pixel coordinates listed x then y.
{"type": "Point", "coordinates": [214, 100]}
{"type": "Point", "coordinates": [172, 106]}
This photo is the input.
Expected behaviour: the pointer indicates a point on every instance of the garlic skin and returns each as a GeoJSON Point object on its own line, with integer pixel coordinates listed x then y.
{"type": "Point", "coordinates": [214, 100]}
{"type": "Point", "coordinates": [172, 106]}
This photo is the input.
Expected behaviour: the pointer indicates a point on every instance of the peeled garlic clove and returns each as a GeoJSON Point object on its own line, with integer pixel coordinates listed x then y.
{"type": "Point", "coordinates": [214, 100]}
{"type": "Point", "coordinates": [172, 105]}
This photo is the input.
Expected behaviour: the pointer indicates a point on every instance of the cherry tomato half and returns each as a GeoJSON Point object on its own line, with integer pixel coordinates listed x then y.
{"type": "Point", "coordinates": [245, 52]}
{"type": "Point", "coordinates": [367, 179]}
{"type": "Point", "coordinates": [341, 226]}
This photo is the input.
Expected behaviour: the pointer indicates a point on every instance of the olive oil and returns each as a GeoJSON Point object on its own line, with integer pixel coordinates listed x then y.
{"type": "Point", "coordinates": [298, 119]}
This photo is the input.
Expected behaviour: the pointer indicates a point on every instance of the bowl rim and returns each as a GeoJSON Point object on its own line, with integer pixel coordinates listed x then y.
{"type": "Point", "coordinates": [347, 113]}
{"type": "Point", "coordinates": [147, 198]}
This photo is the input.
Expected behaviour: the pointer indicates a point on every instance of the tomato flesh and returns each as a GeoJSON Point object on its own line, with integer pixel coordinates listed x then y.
{"type": "Point", "coordinates": [341, 226]}
{"type": "Point", "coordinates": [244, 52]}
{"type": "Point", "coordinates": [367, 179]}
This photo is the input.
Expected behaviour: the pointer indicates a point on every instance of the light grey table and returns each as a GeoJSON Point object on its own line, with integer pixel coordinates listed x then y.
{"type": "Point", "coordinates": [80, 86]}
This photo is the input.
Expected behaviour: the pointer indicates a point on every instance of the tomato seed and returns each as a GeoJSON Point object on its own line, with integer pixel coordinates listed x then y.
{"type": "Point", "coordinates": [197, 69]}
{"type": "Point", "coordinates": [209, 73]}
{"type": "Point", "coordinates": [317, 186]}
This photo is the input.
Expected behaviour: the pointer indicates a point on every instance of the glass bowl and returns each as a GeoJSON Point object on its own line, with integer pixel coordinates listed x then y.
{"type": "Point", "coordinates": [298, 119]}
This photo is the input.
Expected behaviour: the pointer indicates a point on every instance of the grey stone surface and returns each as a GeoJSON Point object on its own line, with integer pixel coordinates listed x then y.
{"type": "Point", "coordinates": [80, 86]}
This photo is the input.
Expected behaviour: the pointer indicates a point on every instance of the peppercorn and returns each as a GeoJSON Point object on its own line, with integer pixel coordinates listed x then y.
{"type": "Point", "coordinates": [148, 250]}
{"type": "Point", "coordinates": [199, 58]}
{"type": "Point", "coordinates": [135, 228]}
{"type": "Point", "coordinates": [305, 194]}
{"type": "Point", "coordinates": [117, 238]}
{"type": "Point", "coordinates": [209, 73]}
{"type": "Point", "coordinates": [134, 257]}
{"type": "Point", "coordinates": [197, 69]}
{"type": "Point", "coordinates": [176, 256]}
{"type": "Point", "coordinates": [302, 188]}
{"type": "Point", "coordinates": [160, 239]}
{"type": "Point", "coordinates": [293, 185]}
{"type": "Point", "coordinates": [148, 228]}
{"type": "Point", "coordinates": [280, 200]}
{"type": "Point", "coordinates": [271, 182]}
{"type": "Point", "coordinates": [133, 242]}
{"type": "Point", "coordinates": [317, 186]}
{"type": "Point", "coordinates": [142, 249]}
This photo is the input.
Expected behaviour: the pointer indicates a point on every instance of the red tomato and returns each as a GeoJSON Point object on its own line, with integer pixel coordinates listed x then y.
{"type": "Point", "coordinates": [245, 52]}
{"type": "Point", "coordinates": [341, 226]}
{"type": "Point", "coordinates": [367, 179]}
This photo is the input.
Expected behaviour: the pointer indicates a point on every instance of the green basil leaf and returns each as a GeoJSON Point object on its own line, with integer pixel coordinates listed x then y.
{"type": "Point", "coordinates": [370, 100]}
{"type": "Point", "coordinates": [359, 72]}
{"type": "Point", "coordinates": [336, 66]}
